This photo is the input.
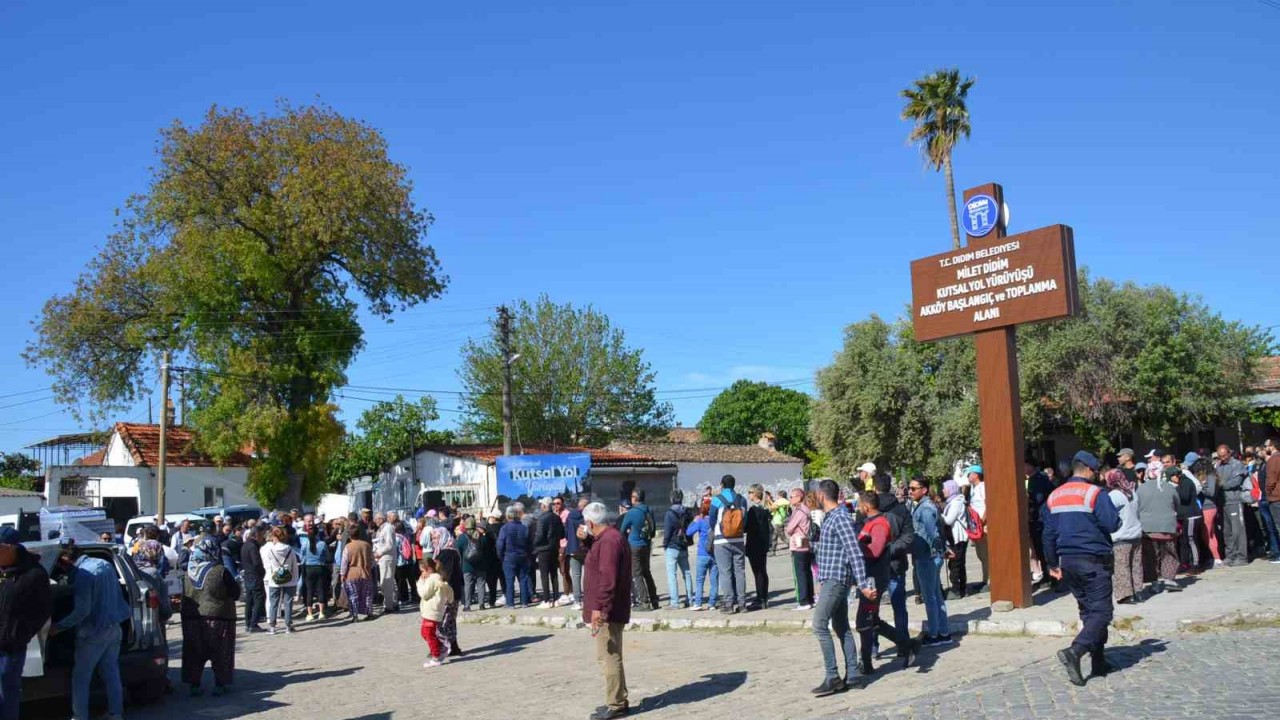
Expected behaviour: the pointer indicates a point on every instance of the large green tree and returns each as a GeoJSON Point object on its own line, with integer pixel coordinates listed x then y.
{"type": "Point", "coordinates": [387, 432]}
{"type": "Point", "coordinates": [576, 381]}
{"type": "Point", "coordinates": [246, 257]}
{"type": "Point", "coordinates": [745, 410]}
{"type": "Point", "coordinates": [18, 471]}
{"type": "Point", "coordinates": [936, 104]}
{"type": "Point", "coordinates": [1144, 358]}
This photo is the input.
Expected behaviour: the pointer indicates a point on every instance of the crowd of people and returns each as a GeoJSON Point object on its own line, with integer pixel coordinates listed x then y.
{"type": "Point", "coordinates": [1126, 529]}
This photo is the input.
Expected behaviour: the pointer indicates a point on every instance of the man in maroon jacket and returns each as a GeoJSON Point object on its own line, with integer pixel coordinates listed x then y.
{"type": "Point", "coordinates": [606, 603]}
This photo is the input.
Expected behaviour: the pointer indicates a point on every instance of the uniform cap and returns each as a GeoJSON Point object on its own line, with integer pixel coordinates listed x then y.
{"type": "Point", "coordinates": [1086, 458]}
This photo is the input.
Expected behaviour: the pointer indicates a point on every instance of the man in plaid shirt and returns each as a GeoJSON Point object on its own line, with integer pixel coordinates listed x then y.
{"type": "Point", "coordinates": [840, 568]}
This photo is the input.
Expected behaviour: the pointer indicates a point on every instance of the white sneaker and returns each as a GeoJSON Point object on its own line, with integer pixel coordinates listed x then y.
{"type": "Point", "coordinates": [546, 605]}
{"type": "Point", "coordinates": [1036, 577]}
{"type": "Point", "coordinates": [1218, 563]}
{"type": "Point", "coordinates": [432, 663]}
{"type": "Point", "coordinates": [577, 606]}
{"type": "Point", "coordinates": [271, 631]}
{"type": "Point", "coordinates": [698, 608]}
{"type": "Point", "coordinates": [565, 600]}
{"type": "Point", "coordinates": [804, 607]}
{"type": "Point", "coordinates": [501, 601]}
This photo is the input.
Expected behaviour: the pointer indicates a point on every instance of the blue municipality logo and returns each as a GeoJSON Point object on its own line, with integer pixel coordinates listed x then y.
{"type": "Point", "coordinates": [980, 215]}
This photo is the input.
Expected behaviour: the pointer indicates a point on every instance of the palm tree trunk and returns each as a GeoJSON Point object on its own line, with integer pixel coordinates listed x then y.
{"type": "Point", "coordinates": [951, 203]}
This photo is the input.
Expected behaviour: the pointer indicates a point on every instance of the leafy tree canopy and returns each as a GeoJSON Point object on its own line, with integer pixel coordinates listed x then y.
{"type": "Point", "coordinates": [18, 471]}
{"type": "Point", "coordinates": [388, 432]}
{"type": "Point", "coordinates": [241, 258]}
{"type": "Point", "coordinates": [746, 410]}
{"type": "Point", "coordinates": [576, 381]}
{"type": "Point", "coordinates": [1145, 358]}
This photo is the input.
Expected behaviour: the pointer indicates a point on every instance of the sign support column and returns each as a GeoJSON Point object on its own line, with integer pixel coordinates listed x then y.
{"type": "Point", "coordinates": [1000, 413]}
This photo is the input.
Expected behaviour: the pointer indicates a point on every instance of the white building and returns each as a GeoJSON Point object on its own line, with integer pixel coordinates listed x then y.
{"type": "Point", "coordinates": [700, 464]}
{"type": "Point", "coordinates": [467, 475]}
{"type": "Point", "coordinates": [121, 477]}
{"type": "Point", "coordinates": [13, 501]}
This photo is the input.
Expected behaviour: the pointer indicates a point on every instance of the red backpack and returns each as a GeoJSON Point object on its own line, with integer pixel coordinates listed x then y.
{"type": "Point", "coordinates": [973, 524]}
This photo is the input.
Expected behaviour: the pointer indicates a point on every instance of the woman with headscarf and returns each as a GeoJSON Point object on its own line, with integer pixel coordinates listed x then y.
{"type": "Point", "coordinates": [209, 595]}
{"type": "Point", "coordinates": [1126, 543]}
{"type": "Point", "coordinates": [1158, 515]}
{"type": "Point", "coordinates": [450, 564]}
{"type": "Point", "coordinates": [953, 512]}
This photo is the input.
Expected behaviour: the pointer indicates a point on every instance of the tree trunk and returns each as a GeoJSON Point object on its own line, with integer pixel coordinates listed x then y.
{"type": "Point", "coordinates": [951, 203]}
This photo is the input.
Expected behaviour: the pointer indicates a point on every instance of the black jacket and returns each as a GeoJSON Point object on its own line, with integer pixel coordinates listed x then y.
{"type": "Point", "coordinates": [251, 559]}
{"type": "Point", "coordinates": [758, 529]}
{"type": "Point", "coordinates": [25, 602]}
{"type": "Point", "coordinates": [231, 548]}
{"type": "Point", "coordinates": [548, 531]}
{"type": "Point", "coordinates": [904, 532]}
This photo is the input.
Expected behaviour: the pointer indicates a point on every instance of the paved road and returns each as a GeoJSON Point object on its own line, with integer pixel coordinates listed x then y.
{"type": "Point", "coordinates": [373, 671]}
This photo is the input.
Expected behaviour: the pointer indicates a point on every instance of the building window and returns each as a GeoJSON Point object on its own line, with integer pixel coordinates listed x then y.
{"type": "Point", "coordinates": [213, 496]}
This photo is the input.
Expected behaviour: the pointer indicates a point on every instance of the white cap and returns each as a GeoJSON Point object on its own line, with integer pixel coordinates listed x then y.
{"type": "Point", "coordinates": [867, 467]}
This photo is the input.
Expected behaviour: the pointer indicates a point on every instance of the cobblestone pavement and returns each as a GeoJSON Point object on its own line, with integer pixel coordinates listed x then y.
{"type": "Point", "coordinates": [1222, 676]}
{"type": "Point", "coordinates": [373, 671]}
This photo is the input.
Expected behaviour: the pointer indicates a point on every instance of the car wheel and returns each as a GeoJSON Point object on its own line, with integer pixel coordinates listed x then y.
{"type": "Point", "coordinates": [146, 693]}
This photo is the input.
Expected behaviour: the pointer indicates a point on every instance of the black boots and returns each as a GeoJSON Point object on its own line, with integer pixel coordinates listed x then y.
{"type": "Point", "coordinates": [1070, 659]}
{"type": "Point", "coordinates": [1100, 665]}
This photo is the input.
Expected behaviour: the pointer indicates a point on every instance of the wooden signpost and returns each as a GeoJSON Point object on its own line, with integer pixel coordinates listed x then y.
{"type": "Point", "coordinates": [986, 289]}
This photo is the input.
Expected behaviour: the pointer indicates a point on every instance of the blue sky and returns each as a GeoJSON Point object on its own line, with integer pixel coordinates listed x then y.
{"type": "Point", "coordinates": [730, 182]}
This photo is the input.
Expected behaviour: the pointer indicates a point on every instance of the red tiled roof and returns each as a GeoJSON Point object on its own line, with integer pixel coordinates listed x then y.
{"type": "Point", "coordinates": [488, 454]}
{"type": "Point", "coordinates": [92, 459]}
{"type": "Point", "coordinates": [143, 442]}
{"type": "Point", "coordinates": [1268, 374]}
{"type": "Point", "coordinates": [705, 452]}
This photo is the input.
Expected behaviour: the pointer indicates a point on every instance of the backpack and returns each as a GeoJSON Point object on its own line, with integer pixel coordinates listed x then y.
{"type": "Point", "coordinates": [649, 528]}
{"type": "Point", "coordinates": [973, 524]}
{"type": "Point", "coordinates": [732, 520]}
{"type": "Point", "coordinates": [472, 553]}
{"type": "Point", "coordinates": [283, 575]}
{"type": "Point", "coordinates": [682, 537]}
{"type": "Point", "coordinates": [404, 549]}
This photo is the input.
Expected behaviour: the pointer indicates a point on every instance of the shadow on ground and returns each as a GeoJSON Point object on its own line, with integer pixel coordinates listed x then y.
{"type": "Point", "coordinates": [704, 688]}
{"type": "Point", "coordinates": [503, 647]}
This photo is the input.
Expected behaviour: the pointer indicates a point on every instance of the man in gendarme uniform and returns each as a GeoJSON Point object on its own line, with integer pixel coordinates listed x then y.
{"type": "Point", "coordinates": [1079, 518]}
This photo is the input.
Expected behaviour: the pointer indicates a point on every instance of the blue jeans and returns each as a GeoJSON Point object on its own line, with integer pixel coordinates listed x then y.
{"type": "Point", "coordinates": [705, 563]}
{"type": "Point", "coordinates": [513, 570]}
{"type": "Point", "coordinates": [833, 610]}
{"type": "Point", "coordinates": [897, 592]}
{"type": "Point", "coordinates": [11, 683]}
{"type": "Point", "coordinates": [100, 652]}
{"type": "Point", "coordinates": [929, 585]}
{"type": "Point", "coordinates": [678, 558]}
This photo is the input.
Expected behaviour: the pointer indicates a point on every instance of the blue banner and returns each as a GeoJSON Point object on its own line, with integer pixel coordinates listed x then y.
{"type": "Point", "coordinates": [538, 476]}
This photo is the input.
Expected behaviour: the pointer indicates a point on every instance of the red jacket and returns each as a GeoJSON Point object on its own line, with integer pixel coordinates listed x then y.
{"type": "Point", "coordinates": [607, 577]}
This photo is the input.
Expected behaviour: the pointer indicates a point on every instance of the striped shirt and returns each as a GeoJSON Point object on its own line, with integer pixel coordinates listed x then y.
{"type": "Point", "coordinates": [839, 554]}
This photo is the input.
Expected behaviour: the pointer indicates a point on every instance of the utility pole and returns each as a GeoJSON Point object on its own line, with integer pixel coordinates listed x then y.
{"type": "Point", "coordinates": [181, 419]}
{"type": "Point", "coordinates": [164, 428]}
{"type": "Point", "coordinates": [504, 341]}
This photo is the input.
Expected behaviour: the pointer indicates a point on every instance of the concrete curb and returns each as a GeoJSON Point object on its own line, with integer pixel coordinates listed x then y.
{"type": "Point", "coordinates": [999, 627]}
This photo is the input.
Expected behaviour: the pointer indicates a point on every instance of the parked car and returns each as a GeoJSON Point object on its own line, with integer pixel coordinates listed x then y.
{"type": "Point", "coordinates": [237, 513]}
{"type": "Point", "coordinates": [144, 649]}
{"type": "Point", "coordinates": [132, 527]}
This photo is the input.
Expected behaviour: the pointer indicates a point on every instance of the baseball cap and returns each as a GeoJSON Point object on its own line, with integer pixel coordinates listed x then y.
{"type": "Point", "coordinates": [1153, 453]}
{"type": "Point", "coordinates": [973, 469]}
{"type": "Point", "coordinates": [867, 467]}
{"type": "Point", "coordinates": [10, 536]}
{"type": "Point", "coordinates": [1086, 458]}
{"type": "Point", "coordinates": [1190, 458]}
{"type": "Point", "coordinates": [1126, 451]}
{"type": "Point", "coordinates": [1140, 466]}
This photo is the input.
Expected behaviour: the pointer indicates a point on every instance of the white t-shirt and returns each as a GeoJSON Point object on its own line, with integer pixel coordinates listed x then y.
{"type": "Point", "coordinates": [978, 500]}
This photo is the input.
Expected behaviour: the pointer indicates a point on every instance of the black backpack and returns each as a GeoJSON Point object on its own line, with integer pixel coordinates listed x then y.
{"type": "Point", "coordinates": [472, 553]}
{"type": "Point", "coordinates": [682, 536]}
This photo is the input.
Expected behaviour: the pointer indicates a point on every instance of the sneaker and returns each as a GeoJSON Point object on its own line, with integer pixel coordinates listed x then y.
{"type": "Point", "coordinates": [804, 607]}
{"type": "Point", "coordinates": [1217, 563]}
{"type": "Point", "coordinates": [500, 602]}
{"type": "Point", "coordinates": [929, 641]}
{"type": "Point", "coordinates": [271, 630]}
{"type": "Point", "coordinates": [432, 663]}
{"type": "Point", "coordinates": [288, 630]}
{"type": "Point", "coordinates": [944, 640]}
{"type": "Point", "coordinates": [565, 601]}
{"type": "Point", "coordinates": [698, 608]}
{"type": "Point", "coordinates": [1036, 578]}
{"type": "Point", "coordinates": [546, 605]}
{"type": "Point", "coordinates": [1275, 560]}
{"type": "Point", "coordinates": [577, 606]}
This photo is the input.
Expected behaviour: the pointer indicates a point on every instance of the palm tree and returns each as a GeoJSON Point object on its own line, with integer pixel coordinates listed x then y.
{"type": "Point", "coordinates": [936, 105]}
